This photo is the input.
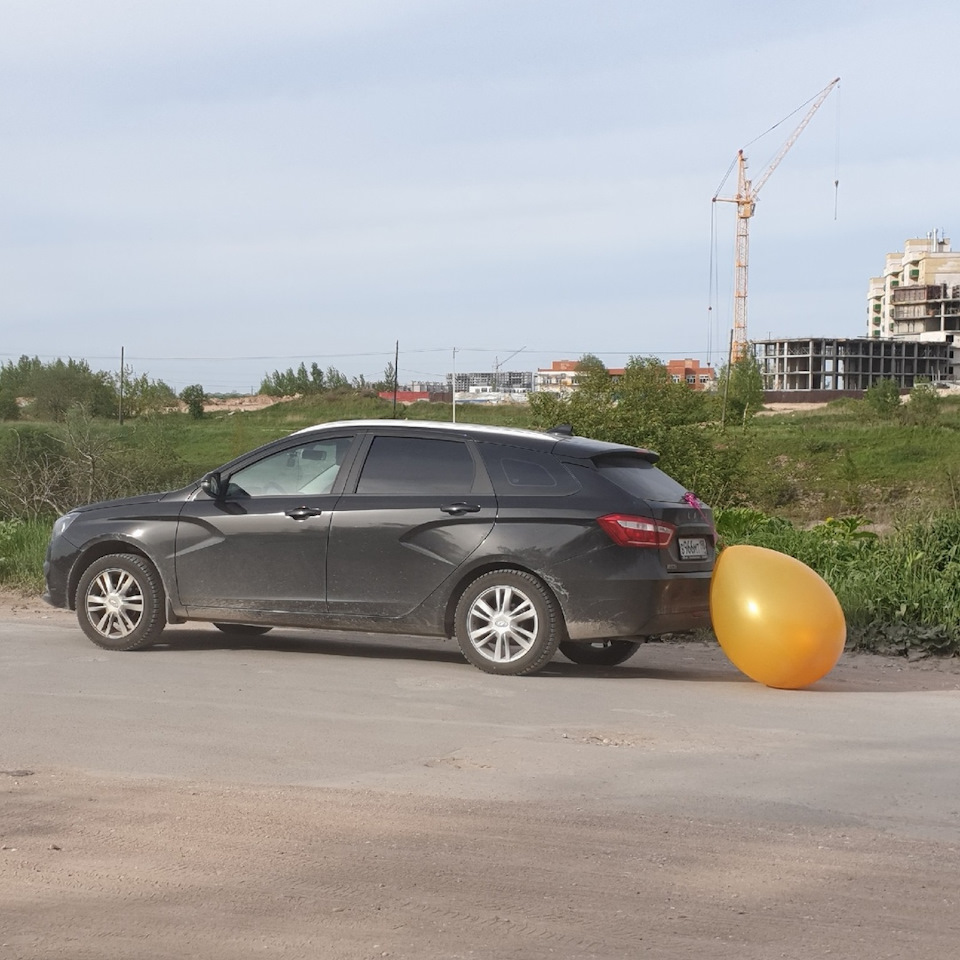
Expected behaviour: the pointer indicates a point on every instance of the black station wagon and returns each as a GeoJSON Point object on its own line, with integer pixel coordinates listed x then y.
{"type": "Point", "coordinates": [515, 542]}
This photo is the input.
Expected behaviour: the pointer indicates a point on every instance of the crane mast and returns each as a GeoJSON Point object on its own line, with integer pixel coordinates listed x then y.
{"type": "Point", "coordinates": [746, 199]}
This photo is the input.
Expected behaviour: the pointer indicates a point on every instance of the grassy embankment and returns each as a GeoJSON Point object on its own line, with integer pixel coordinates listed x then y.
{"type": "Point", "coordinates": [899, 591]}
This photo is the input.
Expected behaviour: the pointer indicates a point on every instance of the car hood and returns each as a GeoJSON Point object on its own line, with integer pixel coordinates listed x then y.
{"type": "Point", "coordinates": [123, 501]}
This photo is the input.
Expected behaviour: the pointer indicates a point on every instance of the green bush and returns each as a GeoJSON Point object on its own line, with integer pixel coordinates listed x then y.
{"type": "Point", "coordinates": [900, 593]}
{"type": "Point", "coordinates": [646, 408]}
{"type": "Point", "coordinates": [883, 399]}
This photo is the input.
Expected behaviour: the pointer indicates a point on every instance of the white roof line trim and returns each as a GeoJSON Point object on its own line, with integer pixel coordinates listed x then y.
{"type": "Point", "coordinates": [424, 424]}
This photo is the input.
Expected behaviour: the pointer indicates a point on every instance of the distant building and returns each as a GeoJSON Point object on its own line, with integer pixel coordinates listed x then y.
{"type": "Point", "coordinates": [691, 373]}
{"type": "Point", "coordinates": [918, 297]}
{"type": "Point", "coordinates": [428, 386]}
{"type": "Point", "coordinates": [913, 319]}
{"type": "Point", "coordinates": [412, 396]}
{"type": "Point", "coordinates": [506, 382]}
{"type": "Point", "coordinates": [824, 369]}
{"type": "Point", "coordinates": [560, 378]}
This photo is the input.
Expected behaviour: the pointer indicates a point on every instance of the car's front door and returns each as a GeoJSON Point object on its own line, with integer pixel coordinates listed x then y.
{"type": "Point", "coordinates": [261, 548]}
{"type": "Point", "coordinates": [421, 506]}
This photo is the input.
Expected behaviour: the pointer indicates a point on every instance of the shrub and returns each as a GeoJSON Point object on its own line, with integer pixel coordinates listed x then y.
{"type": "Point", "coordinates": [194, 397]}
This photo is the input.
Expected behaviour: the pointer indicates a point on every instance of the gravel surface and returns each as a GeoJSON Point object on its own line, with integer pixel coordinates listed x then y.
{"type": "Point", "coordinates": [126, 867]}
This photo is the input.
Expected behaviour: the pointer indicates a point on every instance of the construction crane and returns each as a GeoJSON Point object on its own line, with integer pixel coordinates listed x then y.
{"type": "Point", "coordinates": [746, 200]}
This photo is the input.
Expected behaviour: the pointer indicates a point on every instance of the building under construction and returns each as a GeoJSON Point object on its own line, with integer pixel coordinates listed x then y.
{"type": "Point", "coordinates": [824, 369]}
{"type": "Point", "coordinates": [913, 321]}
{"type": "Point", "coordinates": [918, 296]}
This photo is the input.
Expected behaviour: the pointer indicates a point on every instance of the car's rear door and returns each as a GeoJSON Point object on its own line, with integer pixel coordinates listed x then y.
{"type": "Point", "coordinates": [415, 509]}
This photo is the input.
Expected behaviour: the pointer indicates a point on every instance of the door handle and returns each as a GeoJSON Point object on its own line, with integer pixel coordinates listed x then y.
{"type": "Point", "coordinates": [302, 513]}
{"type": "Point", "coordinates": [458, 509]}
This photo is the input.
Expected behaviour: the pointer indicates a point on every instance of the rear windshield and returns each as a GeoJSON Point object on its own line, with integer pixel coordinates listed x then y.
{"type": "Point", "coordinates": [640, 478]}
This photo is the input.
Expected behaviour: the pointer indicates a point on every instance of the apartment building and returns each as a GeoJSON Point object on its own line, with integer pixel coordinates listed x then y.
{"type": "Point", "coordinates": [691, 373]}
{"type": "Point", "coordinates": [918, 297]}
{"type": "Point", "coordinates": [508, 382]}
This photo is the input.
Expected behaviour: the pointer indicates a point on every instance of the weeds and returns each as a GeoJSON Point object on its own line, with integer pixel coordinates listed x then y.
{"type": "Point", "coordinates": [23, 544]}
{"type": "Point", "coordinates": [900, 593]}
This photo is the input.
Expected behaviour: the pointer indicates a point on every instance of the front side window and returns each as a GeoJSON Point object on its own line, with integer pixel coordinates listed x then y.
{"type": "Point", "coordinates": [414, 465]}
{"type": "Point", "coordinates": [308, 470]}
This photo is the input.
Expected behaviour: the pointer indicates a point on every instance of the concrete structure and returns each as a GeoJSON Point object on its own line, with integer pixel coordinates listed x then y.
{"type": "Point", "coordinates": [918, 297]}
{"type": "Point", "coordinates": [506, 382]}
{"type": "Point", "coordinates": [913, 320]}
{"type": "Point", "coordinates": [824, 368]}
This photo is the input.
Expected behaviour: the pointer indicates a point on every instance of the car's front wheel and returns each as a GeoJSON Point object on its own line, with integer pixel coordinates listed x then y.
{"type": "Point", "coordinates": [120, 602]}
{"type": "Point", "coordinates": [508, 622]}
{"type": "Point", "coordinates": [600, 653]}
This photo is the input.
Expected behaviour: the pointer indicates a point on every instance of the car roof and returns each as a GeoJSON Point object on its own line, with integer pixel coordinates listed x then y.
{"type": "Point", "coordinates": [581, 448]}
{"type": "Point", "coordinates": [439, 425]}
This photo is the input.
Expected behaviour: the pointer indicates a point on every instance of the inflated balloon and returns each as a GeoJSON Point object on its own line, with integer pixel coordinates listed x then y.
{"type": "Point", "coordinates": [776, 619]}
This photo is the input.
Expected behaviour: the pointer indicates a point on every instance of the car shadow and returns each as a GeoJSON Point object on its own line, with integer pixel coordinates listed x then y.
{"type": "Point", "coordinates": [655, 660]}
{"type": "Point", "coordinates": [195, 636]}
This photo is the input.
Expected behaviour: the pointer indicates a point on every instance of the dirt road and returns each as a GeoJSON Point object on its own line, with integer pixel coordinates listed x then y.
{"type": "Point", "coordinates": [667, 808]}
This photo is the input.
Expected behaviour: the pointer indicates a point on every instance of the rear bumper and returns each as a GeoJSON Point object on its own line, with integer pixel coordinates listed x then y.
{"type": "Point", "coordinates": [638, 609]}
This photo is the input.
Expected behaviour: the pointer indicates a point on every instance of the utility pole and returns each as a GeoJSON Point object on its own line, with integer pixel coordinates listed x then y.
{"type": "Point", "coordinates": [396, 360]}
{"type": "Point", "coordinates": [453, 386]}
{"type": "Point", "coordinates": [120, 417]}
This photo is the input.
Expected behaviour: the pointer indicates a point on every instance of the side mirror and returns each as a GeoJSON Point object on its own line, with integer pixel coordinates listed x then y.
{"type": "Point", "coordinates": [212, 485]}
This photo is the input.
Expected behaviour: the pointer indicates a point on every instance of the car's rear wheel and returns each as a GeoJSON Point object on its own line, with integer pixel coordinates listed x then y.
{"type": "Point", "coordinates": [243, 629]}
{"type": "Point", "coordinates": [120, 602]}
{"type": "Point", "coordinates": [508, 622]}
{"type": "Point", "coordinates": [600, 653]}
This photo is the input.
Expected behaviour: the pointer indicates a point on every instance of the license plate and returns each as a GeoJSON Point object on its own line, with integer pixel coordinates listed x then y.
{"type": "Point", "coordinates": [693, 548]}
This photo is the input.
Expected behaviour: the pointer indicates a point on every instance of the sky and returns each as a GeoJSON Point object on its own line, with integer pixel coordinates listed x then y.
{"type": "Point", "coordinates": [223, 188]}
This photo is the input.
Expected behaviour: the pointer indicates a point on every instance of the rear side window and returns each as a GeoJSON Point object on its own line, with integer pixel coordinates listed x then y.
{"type": "Point", "coordinates": [526, 473]}
{"type": "Point", "coordinates": [640, 479]}
{"type": "Point", "coordinates": [408, 466]}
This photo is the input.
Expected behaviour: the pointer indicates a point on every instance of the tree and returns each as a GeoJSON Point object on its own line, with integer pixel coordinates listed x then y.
{"type": "Point", "coordinates": [9, 408]}
{"type": "Point", "coordinates": [194, 397]}
{"type": "Point", "coordinates": [924, 406]}
{"type": "Point", "coordinates": [335, 379]}
{"type": "Point", "coordinates": [143, 396]}
{"type": "Point", "coordinates": [741, 389]}
{"type": "Point", "coordinates": [646, 408]}
{"type": "Point", "coordinates": [883, 399]}
{"type": "Point", "coordinates": [55, 388]}
{"type": "Point", "coordinates": [389, 379]}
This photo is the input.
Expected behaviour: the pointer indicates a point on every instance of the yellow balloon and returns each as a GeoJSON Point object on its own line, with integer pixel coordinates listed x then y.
{"type": "Point", "coordinates": [777, 620]}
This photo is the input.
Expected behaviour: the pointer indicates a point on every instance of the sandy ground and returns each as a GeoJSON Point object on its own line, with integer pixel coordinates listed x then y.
{"type": "Point", "coordinates": [111, 869]}
{"type": "Point", "coordinates": [125, 868]}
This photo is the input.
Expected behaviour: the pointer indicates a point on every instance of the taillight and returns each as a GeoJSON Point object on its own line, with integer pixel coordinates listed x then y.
{"type": "Point", "coordinates": [637, 531]}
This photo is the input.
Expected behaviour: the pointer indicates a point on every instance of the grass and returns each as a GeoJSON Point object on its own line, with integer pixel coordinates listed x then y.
{"type": "Point", "coordinates": [898, 591]}
{"type": "Point", "coordinates": [23, 544]}
{"type": "Point", "coordinates": [206, 443]}
{"type": "Point", "coordinates": [811, 465]}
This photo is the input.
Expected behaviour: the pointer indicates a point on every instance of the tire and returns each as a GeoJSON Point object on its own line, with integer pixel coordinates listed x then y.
{"type": "Point", "coordinates": [120, 602]}
{"type": "Point", "coordinates": [243, 629]}
{"type": "Point", "coordinates": [600, 653]}
{"type": "Point", "coordinates": [508, 622]}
